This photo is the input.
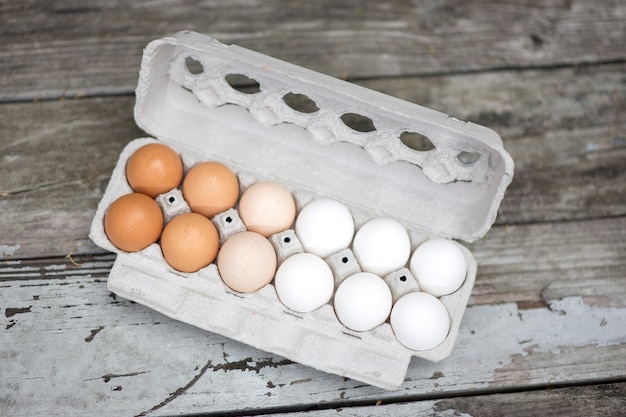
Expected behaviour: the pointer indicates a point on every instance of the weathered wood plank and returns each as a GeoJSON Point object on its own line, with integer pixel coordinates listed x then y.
{"type": "Point", "coordinates": [532, 265]}
{"type": "Point", "coordinates": [53, 49]}
{"type": "Point", "coordinates": [607, 400]}
{"type": "Point", "coordinates": [565, 129]}
{"type": "Point", "coordinates": [549, 303]}
{"type": "Point", "coordinates": [57, 158]}
{"type": "Point", "coordinates": [600, 400]}
{"type": "Point", "coordinates": [131, 359]}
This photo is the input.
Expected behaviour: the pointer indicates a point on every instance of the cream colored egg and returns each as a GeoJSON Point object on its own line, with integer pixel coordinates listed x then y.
{"type": "Point", "coordinates": [246, 262]}
{"type": "Point", "coordinates": [267, 208]}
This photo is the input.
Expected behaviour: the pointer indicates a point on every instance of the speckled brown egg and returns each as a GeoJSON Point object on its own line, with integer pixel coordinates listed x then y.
{"type": "Point", "coordinates": [210, 188]}
{"type": "Point", "coordinates": [189, 242]}
{"type": "Point", "coordinates": [133, 222]}
{"type": "Point", "coordinates": [154, 169]}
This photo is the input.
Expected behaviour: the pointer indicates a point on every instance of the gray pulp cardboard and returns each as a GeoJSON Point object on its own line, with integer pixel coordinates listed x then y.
{"type": "Point", "coordinates": [450, 189]}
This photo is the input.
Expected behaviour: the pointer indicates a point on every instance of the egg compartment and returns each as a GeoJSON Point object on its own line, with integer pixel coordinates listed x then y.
{"type": "Point", "coordinates": [451, 188]}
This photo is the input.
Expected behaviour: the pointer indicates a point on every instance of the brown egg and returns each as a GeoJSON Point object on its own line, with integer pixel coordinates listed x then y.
{"type": "Point", "coordinates": [246, 262]}
{"type": "Point", "coordinates": [133, 221]}
{"type": "Point", "coordinates": [267, 208]}
{"type": "Point", "coordinates": [154, 169]}
{"type": "Point", "coordinates": [189, 242]}
{"type": "Point", "coordinates": [210, 188]}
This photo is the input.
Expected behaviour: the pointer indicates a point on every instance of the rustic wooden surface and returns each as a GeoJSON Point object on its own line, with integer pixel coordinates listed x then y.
{"type": "Point", "coordinates": [544, 333]}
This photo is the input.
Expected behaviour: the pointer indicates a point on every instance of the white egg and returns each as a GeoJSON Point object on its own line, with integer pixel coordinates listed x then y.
{"type": "Point", "coordinates": [304, 282]}
{"type": "Point", "coordinates": [362, 301]}
{"type": "Point", "coordinates": [382, 246]}
{"type": "Point", "coordinates": [440, 266]}
{"type": "Point", "coordinates": [420, 321]}
{"type": "Point", "coordinates": [325, 226]}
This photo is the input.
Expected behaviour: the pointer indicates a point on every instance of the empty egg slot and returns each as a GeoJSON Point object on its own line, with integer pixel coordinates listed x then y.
{"type": "Point", "coordinates": [243, 83]}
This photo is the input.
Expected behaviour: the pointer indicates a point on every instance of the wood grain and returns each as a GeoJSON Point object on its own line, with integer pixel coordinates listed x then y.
{"type": "Point", "coordinates": [565, 129]}
{"type": "Point", "coordinates": [552, 328]}
{"type": "Point", "coordinates": [596, 400]}
{"type": "Point", "coordinates": [544, 331]}
{"type": "Point", "coordinates": [135, 360]}
{"type": "Point", "coordinates": [57, 157]}
{"type": "Point", "coordinates": [75, 48]}
{"type": "Point", "coordinates": [532, 265]}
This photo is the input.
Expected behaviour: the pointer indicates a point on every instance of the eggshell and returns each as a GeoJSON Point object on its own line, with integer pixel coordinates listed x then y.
{"type": "Point", "coordinates": [420, 321]}
{"type": "Point", "coordinates": [267, 208]}
{"type": "Point", "coordinates": [133, 221]}
{"type": "Point", "coordinates": [210, 188]}
{"type": "Point", "coordinates": [304, 282]}
{"type": "Point", "coordinates": [154, 169]}
{"type": "Point", "coordinates": [439, 266]}
{"type": "Point", "coordinates": [362, 301]}
{"type": "Point", "coordinates": [189, 242]}
{"type": "Point", "coordinates": [325, 226]}
{"type": "Point", "coordinates": [382, 246]}
{"type": "Point", "coordinates": [246, 262]}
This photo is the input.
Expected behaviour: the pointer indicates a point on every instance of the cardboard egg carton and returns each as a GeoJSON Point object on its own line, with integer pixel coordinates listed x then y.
{"type": "Point", "coordinates": [452, 188]}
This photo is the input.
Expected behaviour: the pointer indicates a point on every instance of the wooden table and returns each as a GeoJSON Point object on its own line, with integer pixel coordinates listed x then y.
{"type": "Point", "coordinates": [545, 330]}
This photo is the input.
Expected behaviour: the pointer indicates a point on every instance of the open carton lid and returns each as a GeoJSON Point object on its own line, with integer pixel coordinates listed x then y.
{"type": "Point", "coordinates": [185, 97]}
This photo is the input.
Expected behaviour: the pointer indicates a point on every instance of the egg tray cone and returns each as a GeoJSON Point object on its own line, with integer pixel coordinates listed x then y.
{"type": "Point", "coordinates": [203, 116]}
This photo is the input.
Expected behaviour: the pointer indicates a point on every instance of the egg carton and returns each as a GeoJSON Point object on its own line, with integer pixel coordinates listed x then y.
{"type": "Point", "coordinates": [187, 97]}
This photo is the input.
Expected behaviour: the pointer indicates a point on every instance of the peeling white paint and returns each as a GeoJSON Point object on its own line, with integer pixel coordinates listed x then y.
{"type": "Point", "coordinates": [9, 250]}
{"type": "Point", "coordinates": [568, 322]}
{"type": "Point", "coordinates": [56, 267]}
{"type": "Point", "coordinates": [492, 336]}
{"type": "Point", "coordinates": [588, 325]}
{"type": "Point", "coordinates": [62, 317]}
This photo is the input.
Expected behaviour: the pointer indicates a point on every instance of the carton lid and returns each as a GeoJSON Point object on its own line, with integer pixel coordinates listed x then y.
{"type": "Point", "coordinates": [322, 135]}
